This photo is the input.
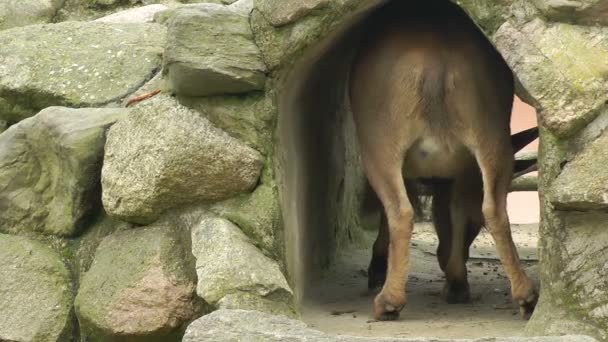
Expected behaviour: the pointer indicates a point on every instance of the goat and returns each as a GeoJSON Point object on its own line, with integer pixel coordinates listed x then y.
{"type": "Point", "coordinates": [431, 99]}
{"type": "Point", "coordinates": [441, 192]}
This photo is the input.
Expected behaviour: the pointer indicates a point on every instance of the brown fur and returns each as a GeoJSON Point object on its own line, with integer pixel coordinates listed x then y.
{"type": "Point", "coordinates": [431, 99]}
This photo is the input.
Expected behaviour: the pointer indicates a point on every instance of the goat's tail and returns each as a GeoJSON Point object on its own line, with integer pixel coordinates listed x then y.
{"type": "Point", "coordinates": [432, 92]}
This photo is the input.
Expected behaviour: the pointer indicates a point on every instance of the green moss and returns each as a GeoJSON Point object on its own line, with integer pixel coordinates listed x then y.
{"type": "Point", "coordinates": [584, 63]}
{"type": "Point", "coordinates": [489, 15]}
{"type": "Point", "coordinates": [257, 215]}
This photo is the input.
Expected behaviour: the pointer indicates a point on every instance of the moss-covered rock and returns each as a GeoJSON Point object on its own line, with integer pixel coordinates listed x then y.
{"type": "Point", "coordinates": [211, 51]}
{"type": "Point", "coordinates": [50, 168]}
{"type": "Point", "coordinates": [35, 292]}
{"type": "Point", "coordinates": [140, 286]}
{"type": "Point", "coordinates": [74, 64]}
{"type": "Point", "coordinates": [164, 155]}
{"type": "Point", "coordinates": [586, 12]}
{"type": "Point", "coordinates": [282, 46]}
{"type": "Point", "coordinates": [279, 13]}
{"type": "Point", "coordinates": [575, 298]}
{"type": "Point", "coordinates": [250, 325]}
{"type": "Point", "coordinates": [228, 264]}
{"type": "Point", "coordinates": [563, 66]}
{"type": "Point", "coordinates": [247, 117]}
{"type": "Point", "coordinates": [249, 301]}
{"type": "Point", "coordinates": [86, 245]}
{"type": "Point", "coordinates": [143, 14]}
{"type": "Point", "coordinates": [488, 14]}
{"type": "Point", "coordinates": [257, 215]}
{"type": "Point", "coordinates": [15, 13]}
{"type": "Point", "coordinates": [583, 182]}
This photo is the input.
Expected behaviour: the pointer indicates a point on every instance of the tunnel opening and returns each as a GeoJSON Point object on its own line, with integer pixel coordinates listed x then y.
{"type": "Point", "coordinates": [329, 237]}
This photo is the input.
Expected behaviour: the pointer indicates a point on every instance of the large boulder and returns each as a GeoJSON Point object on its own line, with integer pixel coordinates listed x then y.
{"type": "Point", "coordinates": [562, 66]}
{"type": "Point", "coordinates": [15, 13]}
{"type": "Point", "coordinates": [74, 64]}
{"type": "Point", "coordinates": [35, 292]}
{"type": "Point", "coordinates": [50, 168]}
{"type": "Point", "coordinates": [211, 51]}
{"type": "Point", "coordinates": [572, 240]}
{"type": "Point", "coordinates": [244, 325]}
{"type": "Point", "coordinates": [164, 155]}
{"type": "Point", "coordinates": [141, 286]}
{"type": "Point", "coordinates": [233, 272]}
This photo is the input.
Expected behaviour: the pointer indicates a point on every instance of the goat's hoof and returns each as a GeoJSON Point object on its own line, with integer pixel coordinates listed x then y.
{"type": "Point", "coordinates": [385, 310]}
{"type": "Point", "coordinates": [528, 303]}
{"type": "Point", "coordinates": [456, 292]}
{"type": "Point", "coordinates": [376, 272]}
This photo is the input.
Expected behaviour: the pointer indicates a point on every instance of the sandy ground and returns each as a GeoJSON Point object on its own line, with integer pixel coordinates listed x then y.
{"type": "Point", "coordinates": [342, 306]}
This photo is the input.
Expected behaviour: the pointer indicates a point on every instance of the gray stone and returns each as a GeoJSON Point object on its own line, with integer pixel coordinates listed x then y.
{"type": "Point", "coordinates": [242, 6]}
{"type": "Point", "coordinates": [74, 64]}
{"type": "Point", "coordinates": [242, 325]}
{"type": "Point", "coordinates": [576, 296]}
{"type": "Point", "coordinates": [258, 216]}
{"type": "Point", "coordinates": [50, 168]}
{"type": "Point", "coordinates": [144, 14]}
{"type": "Point", "coordinates": [249, 301]}
{"type": "Point", "coordinates": [280, 13]}
{"type": "Point", "coordinates": [141, 286]}
{"type": "Point", "coordinates": [228, 264]}
{"type": "Point", "coordinates": [282, 46]}
{"type": "Point", "coordinates": [248, 118]}
{"type": "Point", "coordinates": [35, 292]}
{"type": "Point", "coordinates": [86, 244]}
{"type": "Point", "coordinates": [14, 13]}
{"type": "Point", "coordinates": [164, 155]}
{"type": "Point", "coordinates": [587, 12]}
{"type": "Point", "coordinates": [562, 66]}
{"type": "Point", "coordinates": [211, 51]}
{"type": "Point", "coordinates": [583, 182]}
{"type": "Point", "coordinates": [490, 14]}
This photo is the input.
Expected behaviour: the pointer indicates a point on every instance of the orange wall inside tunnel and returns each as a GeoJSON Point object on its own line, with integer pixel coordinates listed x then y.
{"type": "Point", "coordinates": [523, 207]}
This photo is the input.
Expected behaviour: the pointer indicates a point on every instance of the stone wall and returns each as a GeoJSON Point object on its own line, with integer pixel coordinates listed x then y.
{"type": "Point", "coordinates": [234, 186]}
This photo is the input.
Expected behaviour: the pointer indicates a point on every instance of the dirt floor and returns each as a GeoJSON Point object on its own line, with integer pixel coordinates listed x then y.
{"type": "Point", "coordinates": [341, 304]}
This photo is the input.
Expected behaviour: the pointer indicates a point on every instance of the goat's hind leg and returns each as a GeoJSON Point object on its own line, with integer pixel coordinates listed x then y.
{"type": "Point", "coordinates": [451, 220]}
{"type": "Point", "coordinates": [376, 272]}
{"type": "Point", "coordinates": [384, 173]}
{"type": "Point", "coordinates": [456, 288]}
{"type": "Point", "coordinates": [496, 164]}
